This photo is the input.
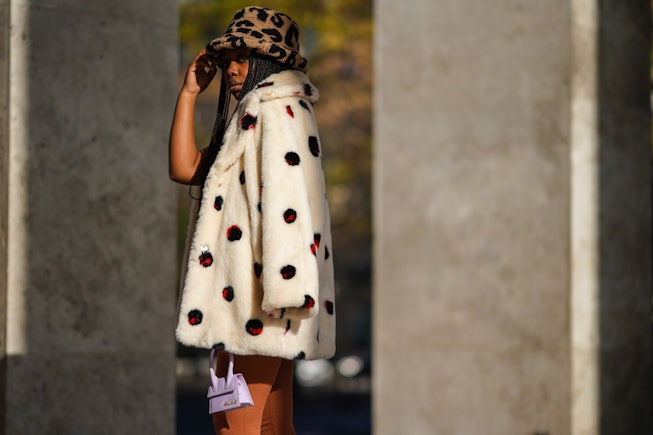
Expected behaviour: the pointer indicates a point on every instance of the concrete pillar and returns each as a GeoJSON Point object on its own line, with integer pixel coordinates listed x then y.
{"type": "Point", "coordinates": [512, 217]}
{"type": "Point", "coordinates": [87, 234]}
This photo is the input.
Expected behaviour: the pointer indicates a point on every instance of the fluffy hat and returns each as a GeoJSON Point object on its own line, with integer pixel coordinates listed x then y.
{"type": "Point", "coordinates": [269, 33]}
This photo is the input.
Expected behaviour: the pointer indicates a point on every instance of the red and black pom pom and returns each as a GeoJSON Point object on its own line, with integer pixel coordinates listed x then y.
{"type": "Point", "coordinates": [289, 216]}
{"type": "Point", "coordinates": [206, 259]}
{"type": "Point", "coordinates": [309, 302]}
{"type": "Point", "coordinates": [316, 243]}
{"type": "Point", "coordinates": [292, 158]}
{"type": "Point", "coordinates": [195, 317]}
{"type": "Point", "coordinates": [228, 293]}
{"type": "Point", "coordinates": [247, 121]}
{"type": "Point", "coordinates": [234, 233]}
{"type": "Point", "coordinates": [217, 204]}
{"type": "Point", "coordinates": [254, 327]}
{"type": "Point", "coordinates": [288, 272]}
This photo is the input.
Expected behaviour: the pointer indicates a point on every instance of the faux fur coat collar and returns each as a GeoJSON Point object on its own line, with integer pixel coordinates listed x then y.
{"type": "Point", "coordinates": [259, 267]}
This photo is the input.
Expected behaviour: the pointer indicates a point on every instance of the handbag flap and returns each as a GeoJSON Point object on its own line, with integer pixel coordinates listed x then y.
{"type": "Point", "coordinates": [219, 387]}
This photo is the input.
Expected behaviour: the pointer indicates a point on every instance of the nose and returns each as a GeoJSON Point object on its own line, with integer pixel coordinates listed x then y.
{"type": "Point", "coordinates": [233, 68]}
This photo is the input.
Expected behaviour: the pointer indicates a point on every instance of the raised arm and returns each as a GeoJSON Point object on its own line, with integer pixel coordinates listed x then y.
{"type": "Point", "coordinates": [184, 158]}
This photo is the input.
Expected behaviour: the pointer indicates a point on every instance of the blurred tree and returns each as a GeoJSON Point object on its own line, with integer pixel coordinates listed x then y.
{"type": "Point", "coordinates": [336, 37]}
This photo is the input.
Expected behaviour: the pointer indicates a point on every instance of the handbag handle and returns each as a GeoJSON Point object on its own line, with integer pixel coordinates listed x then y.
{"type": "Point", "coordinates": [230, 369]}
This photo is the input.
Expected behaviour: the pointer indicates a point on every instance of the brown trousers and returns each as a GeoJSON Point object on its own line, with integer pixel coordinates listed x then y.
{"type": "Point", "coordinates": [270, 383]}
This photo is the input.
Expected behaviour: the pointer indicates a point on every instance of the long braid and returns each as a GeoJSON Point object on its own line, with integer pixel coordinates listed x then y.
{"type": "Point", "coordinates": [215, 144]}
{"type": "Point", "coordinates": [259, 69]}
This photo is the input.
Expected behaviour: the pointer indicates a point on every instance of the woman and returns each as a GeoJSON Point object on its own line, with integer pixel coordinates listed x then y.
{"type": "Point", "coordinates": [258, 276]}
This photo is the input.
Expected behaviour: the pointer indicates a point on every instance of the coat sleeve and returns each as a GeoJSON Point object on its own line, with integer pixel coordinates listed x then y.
{"type": "Point", "coordinates": [291, 198]}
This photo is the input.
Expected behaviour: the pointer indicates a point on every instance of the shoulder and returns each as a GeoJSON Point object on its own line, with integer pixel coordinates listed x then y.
{"type": "Point", "coordinates": [286, 84]}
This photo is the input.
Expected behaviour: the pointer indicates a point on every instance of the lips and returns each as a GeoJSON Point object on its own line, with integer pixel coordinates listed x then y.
{"type": "Point", "coordinates": [235, 86]}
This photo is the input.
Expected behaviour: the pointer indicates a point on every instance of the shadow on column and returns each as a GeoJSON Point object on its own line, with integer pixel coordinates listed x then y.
{"type": "Point", "coordinates": [625, 217]}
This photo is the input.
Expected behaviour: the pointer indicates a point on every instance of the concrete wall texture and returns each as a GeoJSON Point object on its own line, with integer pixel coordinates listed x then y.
{"type": "Point", "coordinates": [88, 222]}
{"type": "Point", "coordinates": [512, 217]}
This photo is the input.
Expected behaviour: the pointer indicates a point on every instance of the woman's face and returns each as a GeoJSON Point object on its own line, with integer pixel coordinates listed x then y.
{"type": "Point", "coordinates": [234, 65]}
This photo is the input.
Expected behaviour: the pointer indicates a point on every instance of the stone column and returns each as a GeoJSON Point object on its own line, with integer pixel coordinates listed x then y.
{"type": "Point", "coordinates": [88, 216]}
{"type": "Point", "coordinates": [4, 186]}
{"type": "Point", "coordinates": [512, 217]}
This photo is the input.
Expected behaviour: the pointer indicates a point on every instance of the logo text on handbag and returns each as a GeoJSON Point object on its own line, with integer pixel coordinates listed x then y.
{"type": "Point", "coordinates": [229, 402]}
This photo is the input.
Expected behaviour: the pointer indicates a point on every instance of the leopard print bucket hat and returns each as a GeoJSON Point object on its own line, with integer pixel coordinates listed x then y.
{"type": "Point", "coordinates": [270, 33]}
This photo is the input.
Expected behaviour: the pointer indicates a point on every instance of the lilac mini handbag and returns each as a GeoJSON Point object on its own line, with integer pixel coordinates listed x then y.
{"type": "Point", "coordinates": [227, 393]}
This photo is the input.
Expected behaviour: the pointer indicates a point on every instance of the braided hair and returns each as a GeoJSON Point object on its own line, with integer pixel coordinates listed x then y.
{"type": "Point", "coordinates": [260, 68]}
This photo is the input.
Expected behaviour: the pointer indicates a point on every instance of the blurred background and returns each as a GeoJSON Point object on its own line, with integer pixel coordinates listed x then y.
{"type": "Point", "coordinates": [331, 397]}
{"type": "Point", "coordinates": [512, 216]}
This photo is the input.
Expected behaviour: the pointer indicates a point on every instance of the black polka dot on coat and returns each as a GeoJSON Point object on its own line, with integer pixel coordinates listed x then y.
{"type": "Point", "coordinates": [292, 158]}
{"type": "Point", "coordinates": [219, 346]}
{"type": "Point", "coordinates": [329, 306]}
{"type": "Point", "coordinates": [248, 121]}
{"type": "Point", "coordinates": [304, 105]}
{"type": "Point", "coordinates": [254, 327]}
{"type": "Point", "coordinates": [228, 293]}
{"type": "Point", "coordinates": [234, 233]}
{"type": "Point", "coordinates": [309, 302]}
{"type": "Point", "coordinates": [258, 270]}
{"type": "Point", "coordinates": [217, 204]}
{"type": "Point", "coordinates": [288, 272]}
{"type": "Point", "coordinates": [300, 355]}
{"type": "Point", "coordinates": [206, 259]}
{"type": "Point", "coordinates": [317, 237]}
{"type": "Point", "coordinates": [314, 145]}
{"type": "Point", "coordinates": [288, 325]}
{"type": "Point", "coordinates": [289, 216]}
{"type": "Point", "coordinates": [308, 90]}
{"type": "Point", "coordinates": [258, 206]}
{"type": "Point", "coordinates": [195, 317]}
{"type": "Point", "coordinates": [326, 252]}
{"type": "Point", "coordinates": [242, 177]}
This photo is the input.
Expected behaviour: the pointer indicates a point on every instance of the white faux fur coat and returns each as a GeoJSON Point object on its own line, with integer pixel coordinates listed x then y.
{"type": "Point", "coordinates": [259, 267]}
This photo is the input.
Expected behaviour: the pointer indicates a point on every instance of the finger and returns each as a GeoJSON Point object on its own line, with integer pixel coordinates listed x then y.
{"type": "Point", "coordinates": [206, 69]}
{"type": "Point", "coordinates": [206, 62]}
{"type": "Point", "coordinates": [203, 76]}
